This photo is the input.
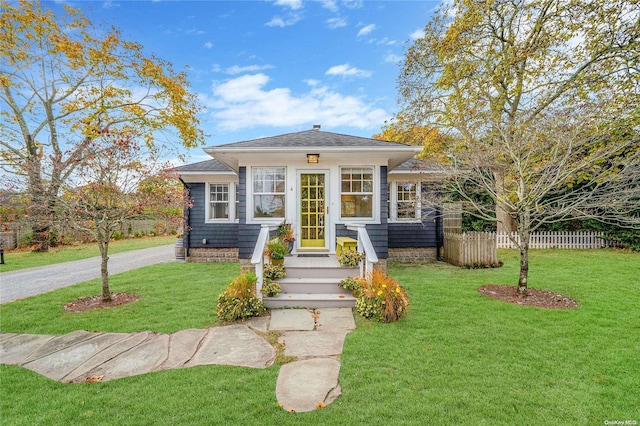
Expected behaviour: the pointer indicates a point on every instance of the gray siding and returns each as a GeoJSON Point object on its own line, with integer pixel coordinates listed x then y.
{"type": "Point", "coordinates": [247, 234]}
{"type": "Point", "coordinates": [403, 235]}
{"type": "Point", "coordinates": [216, 234]}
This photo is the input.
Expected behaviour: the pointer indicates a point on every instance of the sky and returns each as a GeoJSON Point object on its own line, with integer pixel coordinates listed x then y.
{"type": "Point", "coordinates": [268, 67]}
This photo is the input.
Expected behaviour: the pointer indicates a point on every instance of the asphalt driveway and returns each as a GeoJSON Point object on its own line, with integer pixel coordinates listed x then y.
{"type": "Point", "coordinates": [29, 282]}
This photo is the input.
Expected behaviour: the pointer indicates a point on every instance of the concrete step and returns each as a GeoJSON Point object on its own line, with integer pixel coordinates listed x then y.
{"type": "Point", "coordinates": [300, 300]}
{"type": "Point", "coordinates": [312, 285]}
{"type": "Point", "coordinates": [322, 272]}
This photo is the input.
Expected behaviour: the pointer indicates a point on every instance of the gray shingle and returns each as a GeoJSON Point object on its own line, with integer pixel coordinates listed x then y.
{"type": "Point", "coordinates": [204, 166]}
{"type": "Point", "coordinates": [311, 138]}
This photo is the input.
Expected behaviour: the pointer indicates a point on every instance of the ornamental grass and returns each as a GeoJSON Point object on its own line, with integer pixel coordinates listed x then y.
{"type": "Point", "coordinates": [381, 297]}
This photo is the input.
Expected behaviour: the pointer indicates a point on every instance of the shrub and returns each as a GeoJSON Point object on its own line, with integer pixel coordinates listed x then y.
{"type": "Point", "coordinates": [352, 284]}
{"type": "Point", "coordinates": [381, 297]}
{"type": "Point", "coordinates": [350, 258]}
{"type": "Point", "coordinates": [273, 272]}
{"type": "Point", "coordinates": [117, 235]}
{"type": "Point", "coordinates": [271, 288]}
{"type": "Point", "coordinates": [277, 249]}
{"type": "Point", "coordinates": [54, 237]}
{"type": "Point", "coordinates": [239, 300]}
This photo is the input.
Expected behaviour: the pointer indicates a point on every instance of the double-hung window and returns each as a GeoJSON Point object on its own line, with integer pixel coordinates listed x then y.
{"type": "Point", "coordinates": [404, 201]}
{"type": "Point", "coordinates": [269, 185]}
{"type": "Point", "coordinates": [356, 195]}
{"type": "Point", "coordinates": [218, 201]}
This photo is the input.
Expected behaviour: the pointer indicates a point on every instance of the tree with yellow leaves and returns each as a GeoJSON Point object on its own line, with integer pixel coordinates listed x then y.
{"type": "Point", "coordinates": [63, 83]}
{"type": "Point", "coordinates": [540, 98]}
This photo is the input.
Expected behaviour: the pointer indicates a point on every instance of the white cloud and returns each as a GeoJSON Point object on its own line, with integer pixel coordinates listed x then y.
{"type": "Point", "coordinates": [236, 69]}
{"type": "Point", "coordinates": [277, 21]}
{"type": "Point", "coordinates": [329, 4]}
{"type": "Point", "coordinates": [347, 70]}
{"type": "Point", "coordinates": [293, 4]}
{"type": "Point", "coordinates": [333, 23]}
{"type": "Point", "coordinates": [352, 4]}
{"type": "Point", "coordinates": [246, 102]}
{"type": "Point", "coordinates": [419, 33]}
{"type": "Point", "coordinates": [109, 5]}
{"type": "Point", "coordinates": [366, 30]}
{"type": "Point", "coordinates": [393, 58]}
{"type": "Point", "coordinates": [208, 45]}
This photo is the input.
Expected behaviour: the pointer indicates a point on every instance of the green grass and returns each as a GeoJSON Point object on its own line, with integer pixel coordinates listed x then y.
{"type": "Point", "coordinates": [15, 260]}
{"type": "Point", "coordinates": [455, 358]}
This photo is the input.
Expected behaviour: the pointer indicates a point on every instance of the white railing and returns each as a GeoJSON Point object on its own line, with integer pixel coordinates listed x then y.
{"type": "Point", "coordinates": [365, 246]}
{"type": "Point", "coordinates": [558, 240]}
{"type": "Point", "coordinates": [257, 259]}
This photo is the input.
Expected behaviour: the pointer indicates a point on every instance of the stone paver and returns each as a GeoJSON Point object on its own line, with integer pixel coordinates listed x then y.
{"type": "Point", "coordinates": [305, 344]}
{"type": "Point", "coordinates": [234, 345]}
{"type": "Point", "coordinates": [291, 319]}
{"type": "Point", "coordinates": [303, 385]}
{"type": "Point", "coordinates": [308, 384]}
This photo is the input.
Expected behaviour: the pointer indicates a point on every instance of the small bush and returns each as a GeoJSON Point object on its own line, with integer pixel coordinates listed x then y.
{"type": "Point", "coordinates": [381, 297]}
{"type": "Point", "coordinates": [271, 289]}
{"type": "Point", "coordinates": [273, 272]}
{"type": "Point", "coordinates": [352, 284]}
{"type": "Point", "coordinates": [350, 258]}
{"type": "Point", "coordinates": [54, 237]}
{"type": "Point", "coordinates": [239, 300]}
{"type": "Point", "coordinates": [117, 235]}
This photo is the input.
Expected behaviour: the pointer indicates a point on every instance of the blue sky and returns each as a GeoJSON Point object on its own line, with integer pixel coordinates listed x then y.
{"type": "Point", "coordinates": [262, 68]}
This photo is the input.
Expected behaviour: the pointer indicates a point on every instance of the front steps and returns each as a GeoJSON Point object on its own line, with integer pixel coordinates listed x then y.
{"type": "Point", "coordinates": [312, 282]}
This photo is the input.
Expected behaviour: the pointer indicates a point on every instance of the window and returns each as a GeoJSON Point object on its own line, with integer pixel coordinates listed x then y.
{"type": "Point", "coordinates": [357, 192]}
{"type": "Point", "coordinates": [404, 201]}
{"type": "Point", "coordinates": [406, 205]}
{"type": "Point", "coordinates": [218, 201]}
{"type": "Point", "coordinates": [269, 184]}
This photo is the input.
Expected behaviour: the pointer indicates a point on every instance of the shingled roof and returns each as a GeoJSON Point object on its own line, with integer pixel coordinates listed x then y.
{"type": "Point", "coordinates": [311, 139]}
{"type": "Point", "coordinates": [204, 166]}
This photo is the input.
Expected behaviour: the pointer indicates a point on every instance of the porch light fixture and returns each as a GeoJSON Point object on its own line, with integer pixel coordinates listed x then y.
{"type": "Point", "coordinates": [313, 158]}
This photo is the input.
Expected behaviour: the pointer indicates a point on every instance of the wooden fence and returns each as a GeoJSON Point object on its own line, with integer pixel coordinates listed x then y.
{"type": "Point", "coordinates": [558, 240]}
{"type": "Point", "coordinates": [470, 249]}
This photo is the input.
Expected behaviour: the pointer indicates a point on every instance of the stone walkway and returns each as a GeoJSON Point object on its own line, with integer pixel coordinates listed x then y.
{"type": "Point", "coordinates": [314, 337]}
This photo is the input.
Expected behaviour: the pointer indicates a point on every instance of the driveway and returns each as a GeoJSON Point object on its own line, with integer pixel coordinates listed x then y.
{"type": "Point", "coordinates": [29, 282]}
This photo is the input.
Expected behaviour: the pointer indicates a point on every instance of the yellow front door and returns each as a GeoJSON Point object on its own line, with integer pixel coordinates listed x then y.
{"type": "Point", "coordinates": [312, 210]}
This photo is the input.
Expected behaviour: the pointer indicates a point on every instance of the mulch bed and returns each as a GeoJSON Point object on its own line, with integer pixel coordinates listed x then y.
{"type": "Point", "coordinates": [538, 298]}
{"type": "Point", "coordinates": [95, 302]}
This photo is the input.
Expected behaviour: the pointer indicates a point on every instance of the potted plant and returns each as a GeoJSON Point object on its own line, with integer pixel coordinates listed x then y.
{"type": "Point", "coordinates": [277, 250]}
{"type": "Point", "coordinates": [285, 233]}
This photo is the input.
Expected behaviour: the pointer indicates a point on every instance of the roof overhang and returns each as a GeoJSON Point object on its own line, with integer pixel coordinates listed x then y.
{"type": "Point", "coordinates": [234, 157]}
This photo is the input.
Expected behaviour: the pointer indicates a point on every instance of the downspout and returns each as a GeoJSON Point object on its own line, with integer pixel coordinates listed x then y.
{"type": "Point", "coordinates": [186, 212]}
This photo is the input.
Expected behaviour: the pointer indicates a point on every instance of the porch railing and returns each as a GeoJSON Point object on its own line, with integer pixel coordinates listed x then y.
{"type": "Point", "coordinates": [365, 246]}
{"type": "Point", "coordinates": [257, 259]}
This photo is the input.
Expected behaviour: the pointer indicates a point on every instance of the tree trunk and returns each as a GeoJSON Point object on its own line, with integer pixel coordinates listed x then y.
{"type": "Point", "coordinates": [104, 271]}
{"type": "Point", "coordinates": [504, 213]}
{"type": "Point", "coordinates": [523, 288]}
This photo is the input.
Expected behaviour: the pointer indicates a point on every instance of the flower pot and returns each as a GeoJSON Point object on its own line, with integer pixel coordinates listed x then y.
{"type": "Point", "coordinates": [277, 261]}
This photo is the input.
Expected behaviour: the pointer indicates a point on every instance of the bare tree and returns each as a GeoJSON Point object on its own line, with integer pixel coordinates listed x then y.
{"type": "Point", "coordinates": [101, 194]}
{"type": "Point", "coordinates": [540, 100]}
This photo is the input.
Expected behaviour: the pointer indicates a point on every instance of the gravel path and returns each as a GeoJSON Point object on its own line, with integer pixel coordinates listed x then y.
{"type": "Point", "coordinates": [16, 285]}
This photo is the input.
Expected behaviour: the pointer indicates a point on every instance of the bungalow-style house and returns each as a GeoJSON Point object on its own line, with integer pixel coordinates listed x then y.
{"type": "Point", "coordinates": [326, 185]}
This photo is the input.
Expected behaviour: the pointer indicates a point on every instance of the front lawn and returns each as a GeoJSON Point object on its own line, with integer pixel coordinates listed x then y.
{"type": "Point", "coordinates": [457, 357]}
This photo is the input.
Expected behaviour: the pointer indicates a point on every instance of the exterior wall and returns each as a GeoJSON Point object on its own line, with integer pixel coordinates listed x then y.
{"type": "Point", "coordinates": [378, 233]}
{"type": "Point", "coordinates": [247, 233]}
{"type": "Point", "coordinates": [216, 235]}
{"type": "Point", "coordinates": [421, 234]}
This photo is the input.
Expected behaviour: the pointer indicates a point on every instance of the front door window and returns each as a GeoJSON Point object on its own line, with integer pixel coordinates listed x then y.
{"type": "Point", "coordinates": [312, 210]}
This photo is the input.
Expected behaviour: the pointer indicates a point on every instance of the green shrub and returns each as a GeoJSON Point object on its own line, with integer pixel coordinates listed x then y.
{"type": "Point", "coordinates": [273, 272]}
{"type": "Point", "coordinates": [381, 297]}
{"type": "Point", "coordinates": [117, 235]}
{"type": "Point", "coordinates": [352, 284]}
{"type": "Point", "coordinates": [277, 249]}
{"type": "Point", "coordinates": [271, 289]}
{"type": "Point", "coordinates": [239, 300]}
{"type": "Point", "coordinates": [54, 237]}
{"type": "Point", "coordinates": [350, 258]}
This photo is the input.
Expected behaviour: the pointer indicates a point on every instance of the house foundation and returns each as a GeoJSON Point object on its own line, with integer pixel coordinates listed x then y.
{"type": "Point", "coordinates": [212, 254]}
{"type": "Point", "coordinates": [413, 254]}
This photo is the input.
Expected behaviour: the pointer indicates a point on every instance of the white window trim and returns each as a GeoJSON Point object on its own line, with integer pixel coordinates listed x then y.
{"type": "Point", "coordinates": [233, 217]}
{"type": "Point", "coordinates": [393, 204]}
{"type": "Point", "coordinates": [249, 196]}
{"type": "Point", "coordinates": [375, 194]}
